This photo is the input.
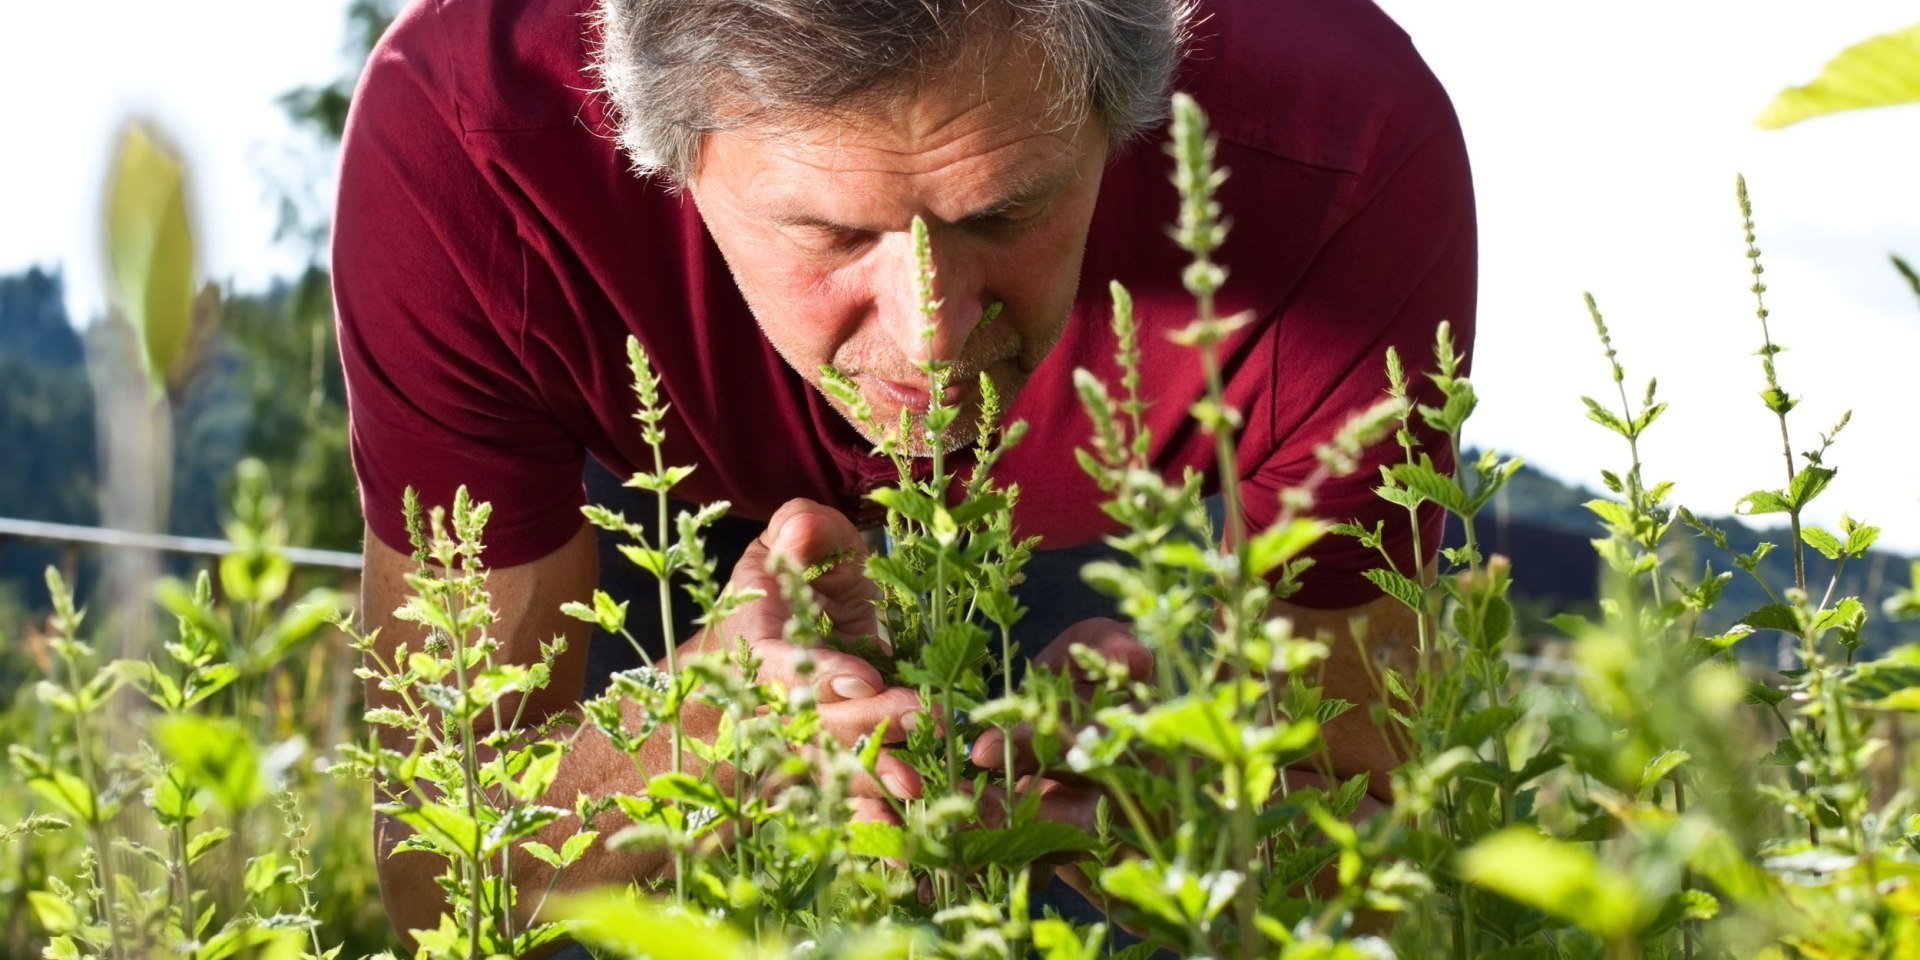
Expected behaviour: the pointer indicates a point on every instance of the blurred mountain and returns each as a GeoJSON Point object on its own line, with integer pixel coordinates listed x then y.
{"type": "Point", "coordinates": [1542, 524]}
{"type": "Point", "coordinates": [267, 386]}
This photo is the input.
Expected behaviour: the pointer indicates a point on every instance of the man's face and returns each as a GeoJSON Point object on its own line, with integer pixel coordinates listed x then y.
{"type": "Point", "coordinates": [813, 219]}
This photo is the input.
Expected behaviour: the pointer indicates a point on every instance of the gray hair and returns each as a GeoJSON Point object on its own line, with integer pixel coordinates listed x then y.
{"type": "Point", "coordinates": [671, 67]}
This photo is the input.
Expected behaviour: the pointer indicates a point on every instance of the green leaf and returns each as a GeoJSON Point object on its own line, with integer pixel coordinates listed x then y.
{"type": "Point", "coordinates": [687, 789]}
{"type": "Point", "coordinates": [150, 250]}
{"type": "Point", "coordinates": [517, 824]}
{"type": "Point", "coordinates": [1431, 484]}
{"type": "Point", "coordinates": [204, 842]}
{"type": "Point", "coordinates": [1137, 884]}
{"type": "Point", "coordinates": [1607, 418]}
{"type": "Point", "coordinates": [263, 873]}
{"type": "Point", "coordinates": [1882, 71]}
{"type": "Point", "coordinates": [1204, 721]}
{"type": "Point", "coordinates": [1613, 514]}
{"type": "Point", "coordinates": [68, 794]}
{"type": "Point", "coordinates": [55, 914]}
{"type": "Point", "coordinates": [1807, 485]}
{"type": "Point", "coordinates": [1890, 678]}
{"type": "Point", "coordinates": [1659, 767]}
{"type": "Point", "coordinates": [908, 503]}
{"type": "Point", "coordinates": [871, 839]}
{"type": "Point", "coordinates": [217, 753]}
{"type": "Point", "coordinates": [1020, 845]}
{"type": "Point", "coordinates": [1397, 587]}
{"type": "Point", "coordinates": [661, 482]}
{"type": "Point", "coordinates": [1861, 539]}
{"type": "Point", "coordinates": [1828, 544]}
{"type": "Point", "coordinates": [632, 926]}
{"type": "Point", "coordinates": [240, 937]}
{"type": "Point", "coordinates": [956, 648]}
{"type": "Point", "coordinates": [452, 829]}
{"type": "Point", "coordinates": [576, 845]}
{"type": "Point", "coordinates": [648, 559]}
{"type": "Point", "coordinates": [543, 853]}
{"type": "Point", "coordinates": [1762, 501]}
{"type": "Point", "coordinates": [1563, 879]}
{"type": "Point", "coordinates": [1773, 616]}
{"type": "Point", "coordinates": [1278, 544]}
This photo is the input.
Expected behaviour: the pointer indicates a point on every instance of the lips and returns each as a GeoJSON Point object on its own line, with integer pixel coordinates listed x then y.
{"type": "Point", "coordinates": [916, 397]}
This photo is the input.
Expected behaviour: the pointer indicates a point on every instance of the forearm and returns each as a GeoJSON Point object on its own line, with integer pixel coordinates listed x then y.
{"type": "Point", "coordinates": [1386, 638]}
{"type": "Point", "coordinates": [592, 766]}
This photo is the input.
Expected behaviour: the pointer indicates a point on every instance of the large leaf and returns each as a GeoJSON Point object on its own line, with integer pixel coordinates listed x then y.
{"type": "Point", "coordinates": [150, 250]}
{"type": "Point", "coordinates": [217, 754]}
{"type": "Point", "coordinates": [1560, 878]}
{"type": "Point", "coordinates": [630, 926]}
{"type": "Point", "coordinates": [1876, 73]}
{"type": "Point", "coordinates": [1021, 845]}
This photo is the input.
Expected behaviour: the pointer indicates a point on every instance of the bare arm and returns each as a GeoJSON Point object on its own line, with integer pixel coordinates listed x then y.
{"type": "Point", "coordinates": [527, 599]}
{"type": "Point", "coordinates": [1389, 638]}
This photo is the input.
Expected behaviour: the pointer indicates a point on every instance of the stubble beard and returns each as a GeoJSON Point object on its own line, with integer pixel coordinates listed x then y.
{"type": "Point", "coordinates": [1007, 358]}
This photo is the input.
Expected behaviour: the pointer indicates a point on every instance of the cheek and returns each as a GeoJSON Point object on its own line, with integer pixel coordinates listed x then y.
{"type": "Point", "coordinates": [1040, 275]}
{"type": "Point", "coordinates": [808, 312]}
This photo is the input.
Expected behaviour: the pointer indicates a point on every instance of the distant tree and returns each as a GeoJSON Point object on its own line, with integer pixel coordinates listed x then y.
{"type": "Point", "coordinates": [288, 369]}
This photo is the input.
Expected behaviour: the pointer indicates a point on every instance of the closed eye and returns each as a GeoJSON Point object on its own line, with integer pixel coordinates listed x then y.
{"type": "Point", "coordinates": [1008, 220]}
{"type": "Point", "coordinates": [828, 238]}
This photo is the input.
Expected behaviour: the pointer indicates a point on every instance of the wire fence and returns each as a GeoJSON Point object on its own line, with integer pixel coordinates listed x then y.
{"type": "Point", "coordinates": [165, 543]}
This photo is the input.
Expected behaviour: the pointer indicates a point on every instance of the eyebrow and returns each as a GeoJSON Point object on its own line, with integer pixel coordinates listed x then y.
{"type": "Point", "coordinates": [1024, 190]}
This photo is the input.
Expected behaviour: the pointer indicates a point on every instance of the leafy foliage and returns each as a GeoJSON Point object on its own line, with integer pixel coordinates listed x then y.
{"type": "Point", "coordinates": [1658, 798]}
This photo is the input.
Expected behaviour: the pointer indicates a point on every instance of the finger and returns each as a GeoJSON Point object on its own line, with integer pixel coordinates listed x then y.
{"type": "Point", "coordinates": [834, 676]}
{"type": "Point", "coordinates": [809, 533]}
{"type": "Point", "coordinates": [871, 810]}
{"type": "Point", "coordinates": [892, 778]}
{"type": "Point", "coordinates": [1109, 638]}
{"type": "Point", "coordinates": [1059, 803]}
{"type": "Point", "coordinates": [990, 751]}
{"type": "Point", "coordinates": [849, 720]}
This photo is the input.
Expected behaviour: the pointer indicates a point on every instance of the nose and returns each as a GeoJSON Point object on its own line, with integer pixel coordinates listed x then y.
{"type": "Point", "coordinates": [919, 335]}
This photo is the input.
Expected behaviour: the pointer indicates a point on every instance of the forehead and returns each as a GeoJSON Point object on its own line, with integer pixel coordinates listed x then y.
{"type": "Point", "coordinates": [988, 129]}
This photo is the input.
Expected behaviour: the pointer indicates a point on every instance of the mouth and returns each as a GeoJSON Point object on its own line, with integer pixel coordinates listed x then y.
{"type": "Point", "coordinates": [916, 397]}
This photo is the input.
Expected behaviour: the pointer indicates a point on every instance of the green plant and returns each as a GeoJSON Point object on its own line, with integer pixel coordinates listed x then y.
{"type": "Point", "coordinates": [1666, 795]}
{"type": "Point", "coordinates": [182, 853]}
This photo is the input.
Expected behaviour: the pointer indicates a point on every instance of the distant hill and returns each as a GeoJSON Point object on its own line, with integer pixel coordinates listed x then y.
{"type": "Point", "coordinates": [258, 391]}
{"type": "Point", "coordinates": [1543, 525]}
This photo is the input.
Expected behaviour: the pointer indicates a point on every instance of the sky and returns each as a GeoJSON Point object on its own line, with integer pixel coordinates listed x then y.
{"type": "Point", "coordinates": [1605, 139]}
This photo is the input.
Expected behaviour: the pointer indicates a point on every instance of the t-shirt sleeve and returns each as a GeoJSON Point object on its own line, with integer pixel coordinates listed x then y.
{"type": "Point", "coordinates": [428, 273]}
{"type": "Point", "coordinates": [1388, 275]}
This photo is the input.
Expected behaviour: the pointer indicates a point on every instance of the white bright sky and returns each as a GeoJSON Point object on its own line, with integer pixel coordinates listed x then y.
{"type": "Point", "coordinates": [1605, 139]}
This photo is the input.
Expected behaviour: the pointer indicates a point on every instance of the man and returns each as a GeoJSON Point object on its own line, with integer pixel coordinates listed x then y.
{"type": "Point", "coordinates": [737, 193]}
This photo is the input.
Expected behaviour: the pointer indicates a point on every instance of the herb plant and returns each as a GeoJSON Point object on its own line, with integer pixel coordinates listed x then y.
{"type": "Point", "coordinates": [1669, 790]}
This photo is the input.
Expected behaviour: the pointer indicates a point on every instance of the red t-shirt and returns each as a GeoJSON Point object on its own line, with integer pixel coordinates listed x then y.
{"type": "Point", "coordinates": [492, 252]}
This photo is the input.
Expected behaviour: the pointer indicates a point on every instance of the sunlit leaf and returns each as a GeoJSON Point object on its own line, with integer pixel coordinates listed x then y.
{"type": "Point", "coordinates": [1879, 72]}
{"type": "Point", "coordinates": [150, 250]}
{"type": "Point", "coordinates": [631, 926]}
{"type": "Point", "coordinates": [1560, 878]}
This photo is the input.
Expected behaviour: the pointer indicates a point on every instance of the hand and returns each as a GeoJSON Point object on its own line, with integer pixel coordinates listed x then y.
{"type": "Point", "coordinates": [1065, 797]}
{"type": "Point", "coordinates": [853, 698]}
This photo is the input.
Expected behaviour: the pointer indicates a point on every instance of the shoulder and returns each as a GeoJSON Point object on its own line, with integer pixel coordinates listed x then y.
{"type": "Point", "coordinates": [1334, 84]}
{"type": "Point", "coordinates": [488, 64]}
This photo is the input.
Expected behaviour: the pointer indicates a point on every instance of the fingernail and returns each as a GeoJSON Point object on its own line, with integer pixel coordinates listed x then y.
{"type": "Point", "coordinates": [898, 787]}
{"type": "Point", "coordinates": [910, 722]}
{"type": "Point", "coordinates": [851, 688]}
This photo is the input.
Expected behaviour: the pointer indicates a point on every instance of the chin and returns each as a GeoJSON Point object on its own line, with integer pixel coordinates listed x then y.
{"type": "Point", "coordinates": [959, 436]}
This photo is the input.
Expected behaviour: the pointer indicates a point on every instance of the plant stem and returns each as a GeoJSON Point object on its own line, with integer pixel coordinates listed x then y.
{"type": "Point", "coordinates": [678, 728]}
{"type": "Point", "coordinates": [475, 869]}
